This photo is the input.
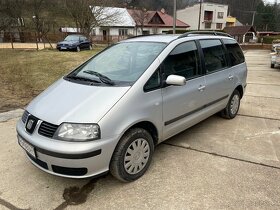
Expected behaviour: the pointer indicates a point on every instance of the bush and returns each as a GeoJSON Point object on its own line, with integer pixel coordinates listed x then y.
{"type": "Point", "coordinates": [269, 39]}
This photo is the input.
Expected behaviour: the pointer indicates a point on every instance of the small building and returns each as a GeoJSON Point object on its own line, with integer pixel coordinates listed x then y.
{"type": "Point", "coordinates": [155, 22]}
{"type": "Point", "coordinates": [121, 26]}
{"type": "Point", "coordinates": [242, 33]}
{"type": "Point", "coordinates": [232, 21]}
{"type": "Point", "coordinates": [69, 30]}
{"type": "Point", "coordinates": [213, 16]}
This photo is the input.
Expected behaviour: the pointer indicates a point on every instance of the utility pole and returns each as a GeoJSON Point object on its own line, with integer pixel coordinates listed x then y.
{"type": "Point", "coordinates": [199, 19]}
{"type": "Point", "coordinates": [253, 20]}
{"type": "Point", "coordinates": [174, 16]}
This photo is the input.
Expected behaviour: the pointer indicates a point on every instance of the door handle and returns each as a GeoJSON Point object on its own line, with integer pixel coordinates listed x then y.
{"type": "Point", "coordinates": [201, 88]}
{"type": "Point", "coordinates": [230, 77]}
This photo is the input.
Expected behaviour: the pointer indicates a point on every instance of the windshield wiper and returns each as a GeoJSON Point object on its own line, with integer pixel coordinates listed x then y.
{"type": "Point", "coordinates": [102, 77]}
{"type": "Point", "coordinates": [82, 78]}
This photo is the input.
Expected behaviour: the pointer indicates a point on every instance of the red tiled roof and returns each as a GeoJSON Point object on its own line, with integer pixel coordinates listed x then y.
{"type": "Point", "coordinates": [239, 30]}
{"type": "Point", "coordinates": [167, 20]}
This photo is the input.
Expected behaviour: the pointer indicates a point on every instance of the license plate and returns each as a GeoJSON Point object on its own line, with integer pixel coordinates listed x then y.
{"type": "Point", "coordinates": [63, 48]}
{"type": "Point", "coordinates": [27, 147]}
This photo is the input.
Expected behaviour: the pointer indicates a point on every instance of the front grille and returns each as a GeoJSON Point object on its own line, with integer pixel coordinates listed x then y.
{"type": "Point", "coordinates": [24, 116]}
{"type": "Point", "coordinates": [47, 129]}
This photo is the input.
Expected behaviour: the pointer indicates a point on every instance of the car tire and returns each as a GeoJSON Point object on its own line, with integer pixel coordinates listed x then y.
{"type": "Point", "coordinates": [78, 49]}
{"type": "Point", "coordinates": [133, 155]}
{"type": "Point", "coordinates": [272, 65]}
{"type": "Point", "coordinates": [232, 107]}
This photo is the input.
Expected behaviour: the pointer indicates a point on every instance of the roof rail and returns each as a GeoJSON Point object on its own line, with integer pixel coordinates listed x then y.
{"type": "Point", "coordinates": [196, 33]}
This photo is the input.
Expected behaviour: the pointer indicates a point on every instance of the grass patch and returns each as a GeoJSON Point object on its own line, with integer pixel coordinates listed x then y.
{"type": "Point", "coordinates": [26, 73]}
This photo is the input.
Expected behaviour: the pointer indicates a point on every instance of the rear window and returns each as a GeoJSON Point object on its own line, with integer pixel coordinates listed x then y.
{"type": "Point", "coordinates": [214, 55]}
{"type": "Point", "coordinates": [235, 53]}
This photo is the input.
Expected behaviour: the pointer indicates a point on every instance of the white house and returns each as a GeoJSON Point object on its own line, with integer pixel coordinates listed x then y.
{"type": "Point", "coordinates": [213, 16]}
{"type": "Point", "coordinates": [119, 23]}
{"type": "Point", "coordinates": [116, 24]}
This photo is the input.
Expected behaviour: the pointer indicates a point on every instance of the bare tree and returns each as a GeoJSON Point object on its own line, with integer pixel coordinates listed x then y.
{"type": "Point", "coordinates": [88, 14]}
{"type": "Point", "coordinates": [11, 17]}
{"type": "Point", "coordinates": [41, 24]}
{"type": "Point", "coordinates": [140, 16]}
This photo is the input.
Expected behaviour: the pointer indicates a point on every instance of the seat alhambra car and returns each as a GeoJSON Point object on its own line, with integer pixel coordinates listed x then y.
{"type": "Point", "coordinates": [110, 112]}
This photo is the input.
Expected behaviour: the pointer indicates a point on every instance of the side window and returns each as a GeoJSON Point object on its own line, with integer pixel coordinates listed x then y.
{"type": "Point", "coordinates": [183, 61]}
{"type": "Point", "coordinates": [153, 83]}
{"type": "Point", "coordinates": [235, 53]}
{"type": "Point", "coordinates": [214, 55]}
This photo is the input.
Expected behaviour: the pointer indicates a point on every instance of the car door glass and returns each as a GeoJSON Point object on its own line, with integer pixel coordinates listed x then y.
{"type": "Point", "coordinates": [234, 51]}
{"type": "Point", "coordinates": [214, 55]}
{"type": "Point", "coordinates": [183, 61]}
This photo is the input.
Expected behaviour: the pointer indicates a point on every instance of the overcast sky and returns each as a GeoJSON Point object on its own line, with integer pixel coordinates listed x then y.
{"type": "Point", "coordinates": [270, 1]}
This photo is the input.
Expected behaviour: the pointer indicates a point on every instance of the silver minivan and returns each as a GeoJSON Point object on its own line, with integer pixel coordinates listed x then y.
{"type": "Point", "coordinates": [111, 111]}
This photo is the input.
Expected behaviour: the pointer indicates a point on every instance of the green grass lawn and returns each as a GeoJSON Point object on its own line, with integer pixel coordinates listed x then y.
{"type": "Point", "coordinates": [26, 73]}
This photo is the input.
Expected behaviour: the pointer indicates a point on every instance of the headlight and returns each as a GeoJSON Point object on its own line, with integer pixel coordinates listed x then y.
{"type": "Point", "coordinates": [78, 132]}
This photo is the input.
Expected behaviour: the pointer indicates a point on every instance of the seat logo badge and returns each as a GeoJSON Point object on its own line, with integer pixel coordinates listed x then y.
{"type": "Point", "coordinates": [29, 124]}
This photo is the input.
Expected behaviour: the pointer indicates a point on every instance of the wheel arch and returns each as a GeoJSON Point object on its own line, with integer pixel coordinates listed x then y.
{"type": "Point", "coordinates": [239, 88]}
{"type": "Point", "coordinates": [148, 126]}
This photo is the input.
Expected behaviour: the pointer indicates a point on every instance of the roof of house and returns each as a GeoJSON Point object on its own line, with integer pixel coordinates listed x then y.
{"type": "Point", "coordinates": [239, 30]}
{"type": "Point", "coordinates": [147, 17]}
{"type": "Point", "coordinates": [113, 17]}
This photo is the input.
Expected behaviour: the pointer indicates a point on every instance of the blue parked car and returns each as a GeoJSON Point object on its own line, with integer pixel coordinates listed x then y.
{"type": "Point", "coordinates": [74, 42]}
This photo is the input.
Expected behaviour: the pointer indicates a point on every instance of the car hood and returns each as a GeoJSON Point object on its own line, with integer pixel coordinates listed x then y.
{"type": "Point", "coordinates": [68, 42]}
{"type": "Point", "coordinates": [66, 101]}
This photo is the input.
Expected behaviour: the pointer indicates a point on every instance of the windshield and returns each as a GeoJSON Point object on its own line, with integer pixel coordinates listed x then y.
{"type": "Point", "coordinates": [124, 62]}
{"type": "Point", "coordinates": [72, 38]}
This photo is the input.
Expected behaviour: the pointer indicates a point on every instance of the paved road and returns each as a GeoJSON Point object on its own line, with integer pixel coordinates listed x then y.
{"type": "Point", "coordinates": [217, 164]}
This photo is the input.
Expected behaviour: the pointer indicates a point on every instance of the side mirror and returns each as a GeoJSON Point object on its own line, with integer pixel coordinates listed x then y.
{"type": "Point", "coordinates": [175, 80]}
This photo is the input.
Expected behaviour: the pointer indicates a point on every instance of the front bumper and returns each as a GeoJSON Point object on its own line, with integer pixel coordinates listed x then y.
{"type": "Point", "coordinates": [69, 159]}
{"type": "Point", "coordinates": [59, 47]}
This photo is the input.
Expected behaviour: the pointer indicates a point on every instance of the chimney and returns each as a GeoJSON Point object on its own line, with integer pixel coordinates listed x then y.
{"type": "Point", "coordinates": [162, 10]}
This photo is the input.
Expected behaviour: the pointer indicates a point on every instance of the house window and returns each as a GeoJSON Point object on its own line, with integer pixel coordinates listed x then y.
{"type": "Point", "coordinates": [208, 16]}
{"type": "Point", "coordinates": [220, 15]}
{"type": "Point", "coordinates": [207, 25]}
{"type": "Point", "coordinates": [123, 32]}
{"type": "Point", "coordinates": [146, 32]}
{"type": "Point", "coordinates": [219, 26]}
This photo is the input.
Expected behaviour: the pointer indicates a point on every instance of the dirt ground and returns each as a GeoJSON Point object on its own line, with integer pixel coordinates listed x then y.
{"type": "Point", "coordinates": [27, 72]}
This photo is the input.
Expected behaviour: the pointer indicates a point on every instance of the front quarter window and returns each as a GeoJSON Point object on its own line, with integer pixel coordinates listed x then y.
{"type": "Point", "coordinates": [154, 82]}
{"type": "Point", "coordinates": [122, 63]}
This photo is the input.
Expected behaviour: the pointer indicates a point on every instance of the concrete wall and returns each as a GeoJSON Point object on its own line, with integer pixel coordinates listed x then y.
{"type": "Point", "coordinates": [190, 15]}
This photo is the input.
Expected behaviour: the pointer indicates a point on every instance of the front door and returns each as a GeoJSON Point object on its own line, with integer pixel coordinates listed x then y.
{"type": "Point", "coordinates": [105, 35]}
{"type": "Point", "coordinates": [182, 105]}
